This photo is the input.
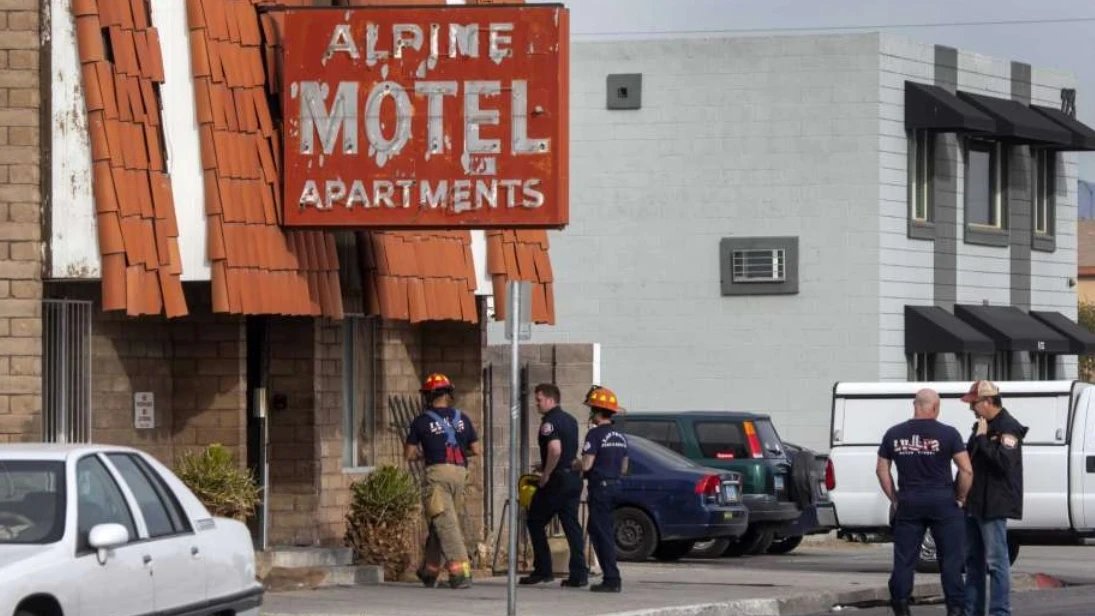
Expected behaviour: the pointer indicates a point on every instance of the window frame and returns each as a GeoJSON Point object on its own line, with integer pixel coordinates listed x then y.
{"type": "Point", "coordinates": [995, 232]}
{"type": "Point", "coordinates": [921, 183]}
{"type": "Point", "coordinates": [160, 489]}
{"type": "Point", "coordinates": [1044, 200]}
{"type": "Point", "coordinates": [728, 246]}
{"type": "Point", "coordinates": [921, 367]}
{"type": "Point", "coordinates": [352, 420]}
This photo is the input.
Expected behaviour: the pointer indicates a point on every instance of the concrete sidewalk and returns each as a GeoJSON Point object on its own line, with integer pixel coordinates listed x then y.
{"type": "Point", "coordinates": [692, 588]}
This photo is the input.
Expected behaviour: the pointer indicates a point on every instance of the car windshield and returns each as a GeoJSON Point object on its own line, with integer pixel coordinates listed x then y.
{"type": "Point", "coordinates": [32, 501]}
{"type": "Point", "coordinates": [658, 454]}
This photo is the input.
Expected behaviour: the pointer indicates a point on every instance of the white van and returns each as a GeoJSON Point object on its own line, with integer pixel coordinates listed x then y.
{"type": "Point", "coordinates": [1058, 455]}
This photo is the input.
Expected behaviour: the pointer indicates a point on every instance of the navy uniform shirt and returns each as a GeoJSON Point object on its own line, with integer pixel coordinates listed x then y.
{"type": "Point", "coordinates": [609, 448]}
{"type": "Point", "coordinates": [431, 435]}
{"type": "Point", "coordinates": [559, 425]}
{"type": "Point", "coordinates": [922, 450]}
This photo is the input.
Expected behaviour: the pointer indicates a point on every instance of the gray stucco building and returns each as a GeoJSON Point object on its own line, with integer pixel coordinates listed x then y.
{"type": "Point", "coordinates": [754, 219]}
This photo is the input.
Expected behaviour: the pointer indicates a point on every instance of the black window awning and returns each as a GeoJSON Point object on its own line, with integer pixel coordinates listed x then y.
{"type": "Point", "coordinates": [1081, 340]}
{"type": "Point", "coordinates": [933, 108]}
{"type": "Point", "coordinates": [931, 329]}
{"type": "Point", "coordinates": [1012, 329]}
{"type": "Point", "coordinates": [1017, 122]}
{"type": "Point", "coordinates": [1083, 137]}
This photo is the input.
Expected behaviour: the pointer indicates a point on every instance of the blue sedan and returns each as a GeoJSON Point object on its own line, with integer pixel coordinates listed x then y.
{"type": "Point", "coordinates": [668, 502]}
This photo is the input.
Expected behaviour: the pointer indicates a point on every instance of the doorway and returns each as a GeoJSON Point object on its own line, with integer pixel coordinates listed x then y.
{"type": "Point", "coordinates": [258, 432]}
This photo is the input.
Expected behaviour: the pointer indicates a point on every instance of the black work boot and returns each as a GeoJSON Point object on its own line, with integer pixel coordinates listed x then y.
{"type": "Point", "coordinates": [603, 587]}
{"type": "Point", "coordinates": [428, 578]}
{"type": "Point", "coordinates": [900, 608]}
{"type": "Point", "coordinates": [574, 583]}
{"type": "Point", "coordinates": [956, 611]}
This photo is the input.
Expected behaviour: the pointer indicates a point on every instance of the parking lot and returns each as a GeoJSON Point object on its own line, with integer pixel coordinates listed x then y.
{"type": "Point", "coordinates": [794, 584]}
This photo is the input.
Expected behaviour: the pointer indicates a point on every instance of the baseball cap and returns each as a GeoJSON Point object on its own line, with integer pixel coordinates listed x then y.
{"type": "Point", "coordinates": [981, 389]}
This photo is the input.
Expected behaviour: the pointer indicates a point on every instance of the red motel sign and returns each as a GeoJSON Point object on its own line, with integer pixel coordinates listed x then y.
{"type": "Point", "coordinates": [438, 117]}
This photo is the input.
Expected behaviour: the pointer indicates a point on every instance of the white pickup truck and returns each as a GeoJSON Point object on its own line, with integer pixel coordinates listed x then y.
{"type": "Point", "coordinates": [1058, 456]}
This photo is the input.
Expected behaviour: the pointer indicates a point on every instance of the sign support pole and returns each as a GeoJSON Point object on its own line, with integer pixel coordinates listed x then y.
{"type": "Point", "coordinates": [514, 427]}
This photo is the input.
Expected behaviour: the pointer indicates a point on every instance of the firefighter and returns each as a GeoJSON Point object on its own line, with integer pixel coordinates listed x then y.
{"type": "Point", "coordinates": [604, 461]}
{"type": "Point", "coordinates": [444, 438]}
{"type": "Point", "coordinates": [559, 492]}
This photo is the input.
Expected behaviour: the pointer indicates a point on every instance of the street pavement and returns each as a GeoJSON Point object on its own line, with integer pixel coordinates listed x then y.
{"type": "Point", "coordinates": [1074, 601]}
{"type": "Point", "coordinates": [809, 572]}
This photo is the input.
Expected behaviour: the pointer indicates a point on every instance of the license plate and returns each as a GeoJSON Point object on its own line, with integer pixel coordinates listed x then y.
{"type": "Point", "coordinates": [730, 492]}
{"type": "Point", "coordinates": [779, 482]}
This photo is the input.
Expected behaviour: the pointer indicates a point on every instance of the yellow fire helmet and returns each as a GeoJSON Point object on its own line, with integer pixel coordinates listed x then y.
{"type": "Point", "coordinates": [526, 487]}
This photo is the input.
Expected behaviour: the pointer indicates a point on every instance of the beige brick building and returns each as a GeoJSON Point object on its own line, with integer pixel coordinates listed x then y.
{"type": "Point", "coordinates": [124, 278]}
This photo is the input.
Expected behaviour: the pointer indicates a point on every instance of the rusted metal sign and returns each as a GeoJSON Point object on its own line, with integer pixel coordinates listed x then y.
{"type": "Point", "coordinates": [439, 117]}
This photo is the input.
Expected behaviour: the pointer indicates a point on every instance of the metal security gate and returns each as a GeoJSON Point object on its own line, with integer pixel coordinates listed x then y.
{"type": "Point", "coordinates": [66, 371]}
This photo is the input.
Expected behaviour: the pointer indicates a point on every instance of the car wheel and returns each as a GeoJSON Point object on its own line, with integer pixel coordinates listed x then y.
{"type": "Point", "coordinates": [711, 548]}
{"type": "Point", "coordinates": [636, 536]}
{"type": "Point", "coordinates": [802, 483]}
{"type": "Point", "coordinates": [785, 545]}
{"type": "Point", "coordinates": [669, 551]}
{"type": "Point", "coordinates": [754, 541]}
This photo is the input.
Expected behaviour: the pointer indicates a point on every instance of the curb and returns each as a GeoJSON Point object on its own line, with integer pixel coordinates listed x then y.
{"type": "Point", "coordinates": [801, 605]}
{"type": "Point", "coordinates": [796, 605]}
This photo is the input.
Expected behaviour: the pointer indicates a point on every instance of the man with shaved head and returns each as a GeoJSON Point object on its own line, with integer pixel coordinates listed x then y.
{"type": "Point", "coordinates": [926, 497]}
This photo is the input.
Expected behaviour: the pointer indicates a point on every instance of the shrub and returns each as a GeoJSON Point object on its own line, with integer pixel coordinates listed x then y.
{"type": "Point", "coordinates": [1087, 320]}
{"type": "Point", "coordinates": [378, 525]}
{"type": "Point", "coordinates": [220, 484]}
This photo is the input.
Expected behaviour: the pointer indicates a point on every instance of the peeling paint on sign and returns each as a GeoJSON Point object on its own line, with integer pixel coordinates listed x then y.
{"type": "Point", "coordinates": [438, 117]}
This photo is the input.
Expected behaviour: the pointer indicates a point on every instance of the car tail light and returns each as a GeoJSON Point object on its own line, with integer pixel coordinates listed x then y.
{"type": "Point", "coordinates": [754, 441]}
{"type": "Point", "coordinates": [830, 475]}
{"type": "Point", "coordinates": [708, 486]}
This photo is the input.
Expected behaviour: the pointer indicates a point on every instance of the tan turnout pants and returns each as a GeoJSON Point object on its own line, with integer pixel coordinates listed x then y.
{"type": "Point", "coordinates": [443, 500]}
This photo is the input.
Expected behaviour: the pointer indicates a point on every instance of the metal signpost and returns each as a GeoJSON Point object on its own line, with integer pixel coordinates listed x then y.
{"type": "Point", "coordinates": [518, 327]}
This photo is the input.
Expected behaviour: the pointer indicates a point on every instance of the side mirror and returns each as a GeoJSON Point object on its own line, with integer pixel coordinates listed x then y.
{"type": "Point", "coordinates": [105, 537]}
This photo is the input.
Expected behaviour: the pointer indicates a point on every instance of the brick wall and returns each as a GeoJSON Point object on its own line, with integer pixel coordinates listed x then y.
{"type": "Point", "coordinates": [569, 366]}
{"type": "Point", "coordinates": [405, 353]}
{"type": "Point", "coordinates": [20, 223]}
{"type": "Point", "coordinates": [194, 366]}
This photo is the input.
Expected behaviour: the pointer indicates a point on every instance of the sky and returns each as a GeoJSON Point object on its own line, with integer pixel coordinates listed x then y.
{"type": "Point", "coordinates": [1057, 34]}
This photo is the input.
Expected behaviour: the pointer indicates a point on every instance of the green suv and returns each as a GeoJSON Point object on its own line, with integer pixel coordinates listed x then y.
{"type": "Point", "coordinates": [744, 442]}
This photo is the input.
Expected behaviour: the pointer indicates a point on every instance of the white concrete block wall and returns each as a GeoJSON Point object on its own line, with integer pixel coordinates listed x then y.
{"type": "Point", "coordinates": [906, 266]}
{"type": "Point", "coordinates": [762, 136]}
{"type": "Point", "coordinates": [736, 137]}
{"type": "Point", "coordinates": [984, 272]}
{"type": "Point", "coordinates": [1051, 271]}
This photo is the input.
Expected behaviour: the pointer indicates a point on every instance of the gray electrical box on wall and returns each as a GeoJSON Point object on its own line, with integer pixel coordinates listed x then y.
{"type": "Point", "coordinates": [625, 91]}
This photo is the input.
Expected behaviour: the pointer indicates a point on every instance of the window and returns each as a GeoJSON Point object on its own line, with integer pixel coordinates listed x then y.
{"type": "Point", "coordinates": [758, 265]}
{"type": "Point", "coordinates": [99, 500]}
{"type": "Point", "coordinates": [162, 513]}
{"type": "Point", "coordinates": [358, 392]}
{"type": "Point", "coordinates": [1043, 366]}
{"type": "Point", "coordinates": [1045, 210]}
{"type": "Point", "coordinates": [664, 433]}
{"type": "Point", "coordinates": [921, 171]}
{"type": "Point", "coordinates": [32, 502]}
{"type": "Point", "coordinates": [986, 212]}
{"type": "Point", "coordinates": [921, 366]}
{"type": "Point", "coordinates": [722, 440]}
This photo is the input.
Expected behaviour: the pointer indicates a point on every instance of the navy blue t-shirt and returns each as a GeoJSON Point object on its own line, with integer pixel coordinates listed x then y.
{"type": "Point", "coordinates": [431, 436]}
{"type": "Point", "coordinates": [922, 450]}
{"type": "Point", "coordinates": [609, 448]}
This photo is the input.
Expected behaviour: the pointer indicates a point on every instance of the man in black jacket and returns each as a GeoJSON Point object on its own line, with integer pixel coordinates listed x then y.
{"type": "Point", "coordinates": [996, 450]}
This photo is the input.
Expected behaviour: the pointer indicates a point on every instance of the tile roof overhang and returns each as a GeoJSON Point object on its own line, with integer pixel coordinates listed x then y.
{"type": "Point", "coordinates": [257, 267]}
